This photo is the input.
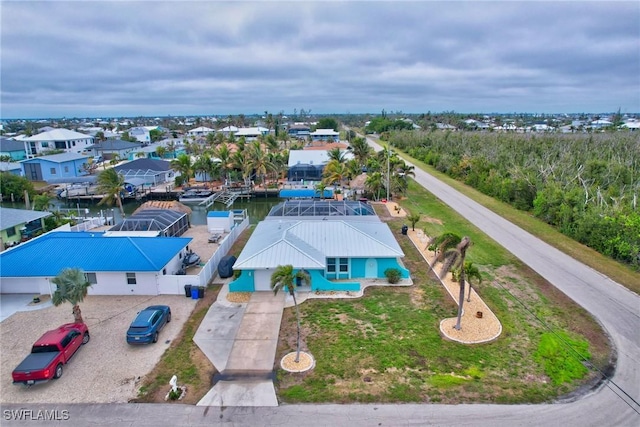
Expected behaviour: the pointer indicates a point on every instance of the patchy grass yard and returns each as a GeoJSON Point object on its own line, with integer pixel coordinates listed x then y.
{"type": "Point", "coordinates": [386, 346]}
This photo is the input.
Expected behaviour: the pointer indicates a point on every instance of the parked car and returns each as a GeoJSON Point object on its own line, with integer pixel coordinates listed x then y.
{"type": "Point", "coordinates": [146, 326]}
{"type": "Point", "coordinates": [50, 352]}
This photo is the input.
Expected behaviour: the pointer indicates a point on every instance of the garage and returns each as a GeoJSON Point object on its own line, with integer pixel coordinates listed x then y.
{"type": "Point", "coordinates": [262, 280]}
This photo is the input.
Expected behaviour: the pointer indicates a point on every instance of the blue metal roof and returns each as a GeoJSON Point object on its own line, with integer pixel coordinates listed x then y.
{"type": "Point", "coordinates": [47, 255]}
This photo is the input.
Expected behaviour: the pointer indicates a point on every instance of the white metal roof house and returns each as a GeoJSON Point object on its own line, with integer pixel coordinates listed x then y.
{"type": "Point", "coordinates": [251, 134]}
{"type": "Point", "coordinates": [200, 131]}
{"type": "Point", "coordinates": [336, 251]}
{"type": "Point", "coordinates": [325, 135]}
{"type": "Point", "coordinates": [57, 139]}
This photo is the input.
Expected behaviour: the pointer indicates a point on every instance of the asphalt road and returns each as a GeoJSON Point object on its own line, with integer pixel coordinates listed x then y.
{"type": "Point", "coordinates": [614, 404]}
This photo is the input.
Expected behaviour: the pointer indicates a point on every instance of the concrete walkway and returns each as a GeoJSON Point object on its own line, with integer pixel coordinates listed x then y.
{"type": "Point", "coordinates": [241, 341]}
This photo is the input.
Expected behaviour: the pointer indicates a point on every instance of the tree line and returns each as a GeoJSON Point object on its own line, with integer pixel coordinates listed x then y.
{"type": "Point", "coordinates": [584, 185]}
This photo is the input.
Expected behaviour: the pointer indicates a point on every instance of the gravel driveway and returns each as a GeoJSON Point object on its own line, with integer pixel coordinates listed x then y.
{"type": "Point", "coordinates": [103, 371]}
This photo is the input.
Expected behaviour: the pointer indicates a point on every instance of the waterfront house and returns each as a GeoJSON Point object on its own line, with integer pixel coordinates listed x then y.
{"type": "Point", "coordinates": [12, 149]}
{"type": "Point", "coordinates": [55, 166]}
{"type": "Point", "coordinates": [337, 243]}
{"type": "Point", "coordinates": [56, 139]}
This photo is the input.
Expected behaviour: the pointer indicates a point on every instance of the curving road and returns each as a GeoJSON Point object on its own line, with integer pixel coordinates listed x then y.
{"type": "Point", "coordinates": [614, 404]}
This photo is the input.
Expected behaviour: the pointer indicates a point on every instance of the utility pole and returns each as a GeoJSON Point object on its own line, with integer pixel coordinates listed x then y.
{"type": "Point", "coordinates": [388, 171]}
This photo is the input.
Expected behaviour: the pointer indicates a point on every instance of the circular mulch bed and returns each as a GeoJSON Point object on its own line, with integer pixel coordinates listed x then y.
{"type": "Point", "coordinates": [306, 362]}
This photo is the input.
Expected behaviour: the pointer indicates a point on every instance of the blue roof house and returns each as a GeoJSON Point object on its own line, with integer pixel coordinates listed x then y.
{"type": "Point", "coordinates": [136, 270]}
{"type": "Point", "coordinates": [337, 253]}
{"type": "Point", "coordinates": [55, 166]}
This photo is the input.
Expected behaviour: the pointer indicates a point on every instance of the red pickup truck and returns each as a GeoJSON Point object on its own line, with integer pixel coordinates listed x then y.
{"type": "Point", "coordinates": [53, 350]}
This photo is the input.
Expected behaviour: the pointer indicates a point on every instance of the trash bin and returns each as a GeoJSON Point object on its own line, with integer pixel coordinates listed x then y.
{"type": "Point", "coordinates": [194, 292]}
{"type": "Point", "coordinates": [200, 291]}
{"type": "Point", "coordinates": [187, 291]}
{"type": "Point", "coordinates": [405, 229]}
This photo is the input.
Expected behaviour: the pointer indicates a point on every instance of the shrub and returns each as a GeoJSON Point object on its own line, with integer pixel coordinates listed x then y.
{"type": "Point", "coordinates": [393, 275]}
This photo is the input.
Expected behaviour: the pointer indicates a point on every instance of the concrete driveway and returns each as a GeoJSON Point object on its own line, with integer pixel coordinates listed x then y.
{"type": "Point", "coordinates": [105, 370]}
{"type": "Point", "coordinates": [13, 303]}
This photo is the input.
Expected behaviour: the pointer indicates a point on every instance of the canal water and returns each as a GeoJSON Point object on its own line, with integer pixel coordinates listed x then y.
{"type": "Point", "coordinates": [257, 208]}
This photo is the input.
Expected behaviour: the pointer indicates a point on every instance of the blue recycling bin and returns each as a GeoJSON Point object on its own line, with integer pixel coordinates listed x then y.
{"type": "Point", "coordinates": [194, 292]}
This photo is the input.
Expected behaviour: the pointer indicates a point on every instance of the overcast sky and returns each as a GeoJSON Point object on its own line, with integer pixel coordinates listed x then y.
{"type": "Point", "coordinates": [99, 59]}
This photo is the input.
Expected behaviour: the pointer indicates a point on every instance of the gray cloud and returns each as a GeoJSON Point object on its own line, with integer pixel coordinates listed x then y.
{"type": "Point", "coordinates": [154, 58]}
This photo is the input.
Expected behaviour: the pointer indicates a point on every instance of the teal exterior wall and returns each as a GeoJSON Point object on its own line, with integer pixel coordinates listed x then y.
{"type": "Point", "coordinates": [319, 283]}
{"type": "Point", "coordinates": [384, 263]}
{"type": "Point", "coordinates": [244, 283]}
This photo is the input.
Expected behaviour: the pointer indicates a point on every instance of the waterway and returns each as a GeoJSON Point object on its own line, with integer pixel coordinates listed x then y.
{"type": "Point", "coordinates": [257, 208]}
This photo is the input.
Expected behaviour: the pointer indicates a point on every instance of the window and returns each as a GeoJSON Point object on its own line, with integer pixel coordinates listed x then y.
{"type": "Point", "coordinates": [344, 265]}
{"type": "Point", "coordinates": [331, 265]}
{"type": "Point", "coordinates": [131, 278]}
{"type": "Point", "coordinates": [52, 171]}
{"type": "Point", "coordinates": [11, 231]}
{"type": "Point", "coordinates": [66, 169]}
{"type": "Point", "coordinates": [45, 144]}
{"type": "Point", "coordinates": [91, 278]}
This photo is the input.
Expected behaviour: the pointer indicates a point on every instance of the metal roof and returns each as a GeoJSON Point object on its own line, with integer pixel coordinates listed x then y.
{"type": "Point", "coordinates": [47, 255]}
{"type": "Point", "coordinates": [11, 217]}
{"type": "Point", "coordinates": [59, 135]}
{"type": "Point", "coordinates": [307, 244]}
{"type": "Point", "coordinates": [57, 158]}
{"type": "Point", "coordinates": [144, 165]}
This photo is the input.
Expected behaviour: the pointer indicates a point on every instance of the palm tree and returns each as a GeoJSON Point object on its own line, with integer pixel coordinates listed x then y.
{"type": "Point", "coordinates": [413, 219]}
{"type": "Point", "coordinates": [284, 277]}
{"type": "Point", "coordinates": [455, 258]}
{"type": "Point", "coordinates": [161, 151]}
{"type": "Point", "coordinates": [321, 186]}
{"type": "Point", "coordinates": [335, 171]}
{"type": "Point", "coordinates": [72, 286]}
{"type": "Point", "coordinates": [111, 184]}
{"type": "Point", "coordinates": [337, 155]}
{"type": "Point", "coordinates": [361, 150]}
{"type": "Point", "coordinates": [374, 183]}
{"type": "Point", "coordinates": [184, 166]}
{"type": "Point", "coordinates": [42, 202]}
{"type": "Point", "coordinates": [471, 272]}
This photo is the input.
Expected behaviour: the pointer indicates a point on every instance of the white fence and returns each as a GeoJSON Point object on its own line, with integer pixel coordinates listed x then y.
{"type": "Point", "coordinates": [88, 224]}
{"type": "Point", "coordinates": [174, 284]}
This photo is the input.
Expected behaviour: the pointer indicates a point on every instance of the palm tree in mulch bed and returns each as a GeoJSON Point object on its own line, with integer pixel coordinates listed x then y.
{"type": "Point", "coordinates": [284, 277]}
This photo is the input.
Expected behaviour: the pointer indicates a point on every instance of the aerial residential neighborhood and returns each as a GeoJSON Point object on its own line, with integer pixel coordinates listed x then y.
{"type": "Point", "coordinates": [320, 213]}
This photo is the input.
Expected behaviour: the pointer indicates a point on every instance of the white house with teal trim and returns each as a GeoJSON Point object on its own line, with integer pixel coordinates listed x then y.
{"type": "Point", "coordinates": [337, 252]}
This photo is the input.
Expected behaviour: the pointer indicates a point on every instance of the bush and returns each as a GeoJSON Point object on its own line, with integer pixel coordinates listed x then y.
{"type": "Point", "coordinates": [393, 275]}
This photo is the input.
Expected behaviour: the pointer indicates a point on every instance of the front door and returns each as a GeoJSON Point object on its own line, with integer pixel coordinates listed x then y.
{"type": "Point", "coordinates": [371, 268]}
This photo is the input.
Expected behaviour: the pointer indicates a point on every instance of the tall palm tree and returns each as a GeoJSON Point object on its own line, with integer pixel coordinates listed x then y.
{"type": "Point", "coordinates": [374, 183]}
{"type": "Point", "coordinates": [205, 165]}
{"type": "Point", "coordinates": [284, 277]}
{"type": "Point", "coordinates": [454, 258]}
{"type": "Point", "coordinates": [361, 150]}
{"type": "Point", "coordinates": [72, 287]}
{"type": "Point", "coordinates": [111, 184]}
{"type": "Point", "coordinates": [222, 153]}
{"type": "Point", "coordinates": [183, 165]}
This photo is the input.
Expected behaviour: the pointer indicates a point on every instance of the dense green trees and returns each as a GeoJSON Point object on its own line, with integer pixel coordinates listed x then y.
{"type": "Point", "coordinates": [586, 185]}
{"type": "Point", "coordinates": [14, 186]}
